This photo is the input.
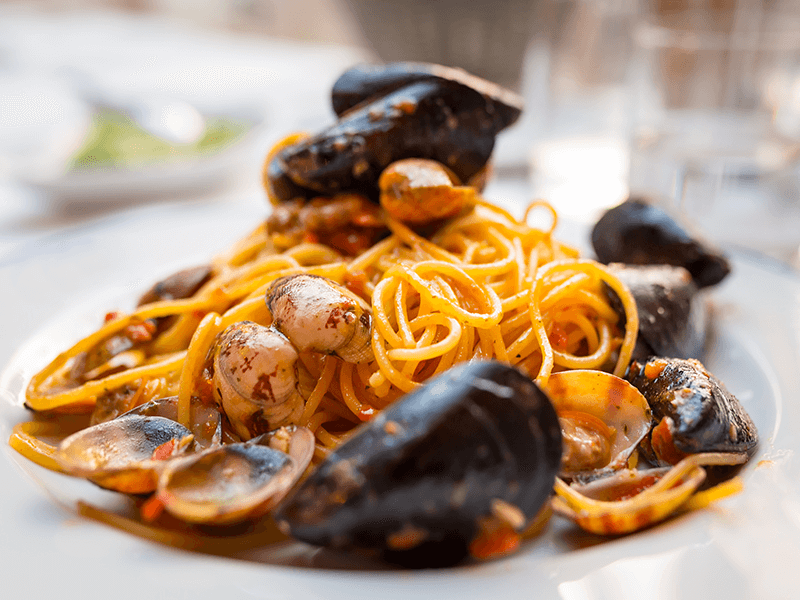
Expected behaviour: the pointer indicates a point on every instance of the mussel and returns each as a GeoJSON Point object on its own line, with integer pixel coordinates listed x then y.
{"type": "Point", "coordinates": [447, 118]}
{"type": "Point", "coordinates": [673, 314]}
{"type": "Point", "coordinates": [692, 409]}
{"type": "Point", "coordinates": [636, 232]}
{"type": "Point", "coordinates": [417, 481]}
{"type": "Point", "coordinates": [182, 284]}
{"type": "Point", "coordinates": [366, 81]}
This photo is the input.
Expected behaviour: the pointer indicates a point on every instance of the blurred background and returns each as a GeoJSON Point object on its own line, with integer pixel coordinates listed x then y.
{"type": "Point", "coordinates": [105, 106]}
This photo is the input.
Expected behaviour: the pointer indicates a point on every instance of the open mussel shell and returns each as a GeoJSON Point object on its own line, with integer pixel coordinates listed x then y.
{"type": "Point", "coordinates": [206, 420]}
{"type": "Point", "coordinates": [126, 454]}
{"type": "Point", "coordinates": [636, 232]}
{"type": "Point", "coordinates": [673, 314]}
{"type": "Point", "coordinates": [692, 409]}
{"type": "Point", "coordinates": [415, 482]}
{"type": "Point", "coordinates": [236, 482]}
{"type": "Point", "coordinates": [603, 419]}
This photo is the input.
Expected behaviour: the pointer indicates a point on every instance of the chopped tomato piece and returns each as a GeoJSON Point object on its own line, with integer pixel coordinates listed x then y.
{"type": "Point", "coordinates": [164, 451]}
{"type": "Point", "coordinates": [366, 413]}
{"type": "Point", "coordinates": [495, 542]}
{"type": "Point", "coordinates": [356, 282]}
{"type": "Point", "coordinates": [558, 337]}
{"type": "Point", "coordinates": [152, 509]}
{"type": "Point", "coordinates": [141, 332]}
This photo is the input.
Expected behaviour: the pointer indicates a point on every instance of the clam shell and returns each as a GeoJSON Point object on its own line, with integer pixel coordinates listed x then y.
{"type": "Point", "coordinates": [234, 482]}
{"type": "Point", "coordinates": [612, 400]}
{"type": "Point", "coordinates": [126, 454]}
{"type": "Point", "coordinates": [206, 420]}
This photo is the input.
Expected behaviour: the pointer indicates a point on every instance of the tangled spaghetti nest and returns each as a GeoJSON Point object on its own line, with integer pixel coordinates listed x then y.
{"type": "Point", "coordinates": [486, 285]}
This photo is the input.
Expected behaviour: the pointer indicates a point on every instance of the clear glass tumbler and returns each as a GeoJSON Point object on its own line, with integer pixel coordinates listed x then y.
{"type": "Point", "coordinates": [716, 134]}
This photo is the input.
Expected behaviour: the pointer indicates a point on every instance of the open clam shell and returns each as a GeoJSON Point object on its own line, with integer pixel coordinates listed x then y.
{"type": "Point", "coordinates": [235, 482]}
{"type": "Point", "coordinates": [126, 454]}
{"type": "Point", "coordinates": [603, 418]}
{"type": "Point", "coordinates": [206, 420]}
{"type": "Point", "coordinates": [632, 500]}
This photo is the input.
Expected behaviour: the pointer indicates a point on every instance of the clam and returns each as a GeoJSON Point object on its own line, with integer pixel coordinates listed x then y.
{"type": "Point", "coordinates": [126, 454]}
{"type": "Point", "coordinates": [318, 314]}
{"type": "Point", "coordinates": [417, 482]}
{"type": "Point", "coordinates": [636, 232]}
{"type": "Point", "coordinates": [236, 482]}
{"type": "Point", "coordinates": [632, 500]}
{"type": "Point", "coordinates": [205, 419]}
{"type": "Point", "coordinates": [693, 411]}
{"type": "Point", "coordinates": [603, 418]}
{"type": "Point", "coordinates": [418, 191]}
{"type": "Point", "coordinates": [255, 379]}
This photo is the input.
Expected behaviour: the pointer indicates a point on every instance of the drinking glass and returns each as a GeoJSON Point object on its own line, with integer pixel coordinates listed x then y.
{"type": "Point", "coordinates": [716, 133]}
{"type": "Point", "coordinates": [582, 105]}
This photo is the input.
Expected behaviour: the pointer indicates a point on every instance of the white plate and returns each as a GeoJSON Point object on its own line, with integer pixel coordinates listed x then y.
{"type": "Point", "coordinates": [184, 176]}
{"type": "Point", "coordinates": [59, 288]}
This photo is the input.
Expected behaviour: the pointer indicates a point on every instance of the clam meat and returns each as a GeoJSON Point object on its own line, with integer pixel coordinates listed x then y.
{"type": "Point", "coordinates": [318, 314]}
{"type": "Point", "coordinates": [255, 379]}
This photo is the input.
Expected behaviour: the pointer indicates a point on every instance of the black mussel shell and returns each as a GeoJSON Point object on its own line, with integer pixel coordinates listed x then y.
{"type": "Point", "coordinates": [638, 233]}
{"type": "Point", "coordinates": [366, 81]}
{"type": "Point", "coordinates": [673, 317]}
{"type": "Point", "coordinates": [436, 117]}
{"type": "Point", "coordinates": [693, 410]}
{"type": "Point", "coordinates": [428, 468]}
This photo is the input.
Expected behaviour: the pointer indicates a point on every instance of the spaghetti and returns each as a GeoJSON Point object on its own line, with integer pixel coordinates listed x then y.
{"type": "Point", "coordinates": [486, 285]}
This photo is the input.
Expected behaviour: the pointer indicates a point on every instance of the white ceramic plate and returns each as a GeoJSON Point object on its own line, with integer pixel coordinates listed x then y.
{"type": "Point", "coordinates": [190, 175]}
{"type": "Point", "coordinates": [58, 289]}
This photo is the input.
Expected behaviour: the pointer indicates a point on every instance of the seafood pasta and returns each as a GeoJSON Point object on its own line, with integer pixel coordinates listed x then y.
{"type": "Point", "coordinates": [387, 326]}
{"type": "Point", "coordinates": [486, 285]}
